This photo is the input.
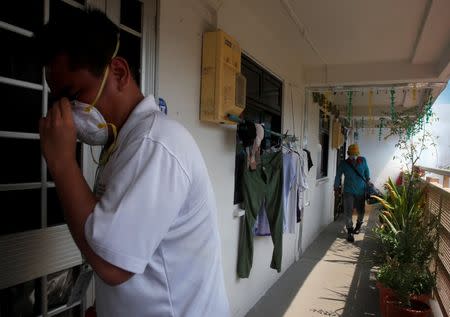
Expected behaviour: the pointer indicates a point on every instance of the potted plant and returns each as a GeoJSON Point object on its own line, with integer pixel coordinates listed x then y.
{"type": "Point", "coordinates": [417, 308]}
{"type": "Point", "coordinates": [410, 285]}
{"type": "Point", "coordinates": [405, 287]}
{"type": "Point", "coordinates": [407, 236]}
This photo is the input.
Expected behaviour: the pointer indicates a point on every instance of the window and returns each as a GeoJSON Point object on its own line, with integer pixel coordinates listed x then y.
{"type": "Point", "coordinates": [31, 209]}
{"type": "Point", "coordinates": [28, 195]}
{"type": "Point", "coordinates": [264, 91]}
{"type": "Point", "coordinates": [24, 181]}
{"type": "Point", "coordinates": [263, 105]}
{"type": "Point", "coordinates": [24, 300]}
{"type": "Point", "coordinates": [264, 95]}
{"type": "Point", "coordinates": [131, 35]}
{"type": "Point", "coordinates": [21, 300]}
{"type": "Point", "coordinates": [324, 139]}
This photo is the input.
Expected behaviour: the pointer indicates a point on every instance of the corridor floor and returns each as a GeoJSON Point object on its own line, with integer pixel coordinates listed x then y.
{"type": "Point", "coordinates": [332, 278]}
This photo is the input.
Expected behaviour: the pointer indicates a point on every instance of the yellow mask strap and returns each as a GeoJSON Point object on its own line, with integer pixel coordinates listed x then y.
{"type": "Point", "coordinates": [105, 76]}
{"type": "Point", "coordinates": [102, 85]}
{"type": "Point", "coordinates": [93, 157]}
{"type": "Point", "coordinates": [105, 155]}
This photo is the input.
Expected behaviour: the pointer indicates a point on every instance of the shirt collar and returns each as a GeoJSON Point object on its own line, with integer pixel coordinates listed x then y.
{"type": "Point", "coordinates": [356, 161]}
{"type": "Point", "coordinates": [146, 106]}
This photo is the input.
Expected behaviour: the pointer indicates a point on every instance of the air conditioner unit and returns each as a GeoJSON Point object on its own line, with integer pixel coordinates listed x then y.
{"type": "Point", "coordinates": [223, 87]}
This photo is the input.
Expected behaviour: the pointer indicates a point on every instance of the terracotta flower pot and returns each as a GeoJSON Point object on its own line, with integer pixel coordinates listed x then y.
{"type": "Point", "coordinates": [384, 292]}
{"type": "Point", "coordinates": [417, 308]}
{"type": "Point", "coordinates": [424, 298]}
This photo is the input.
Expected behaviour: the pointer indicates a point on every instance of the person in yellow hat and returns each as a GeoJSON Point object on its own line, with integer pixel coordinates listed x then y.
{"type": "Point", "coordinates": [356, 178]}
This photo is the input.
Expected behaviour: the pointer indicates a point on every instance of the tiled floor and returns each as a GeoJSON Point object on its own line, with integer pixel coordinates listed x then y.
{"type": "Point", "coordinates": [333, 278]}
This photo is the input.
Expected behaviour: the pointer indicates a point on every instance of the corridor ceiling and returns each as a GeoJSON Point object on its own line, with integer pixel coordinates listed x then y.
{"type": "Point", "coordinates": [375, 41]}
{"type": "Point", "coordinates": [359, 42]}
{"type": "Point", "coordinates": [365, 45]}
{"type": "Point", "coordinates": [362, 44]}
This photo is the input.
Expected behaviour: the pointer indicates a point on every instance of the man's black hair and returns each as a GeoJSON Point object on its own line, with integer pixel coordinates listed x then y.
{"type": "Point", "coordinates": [87, 37]}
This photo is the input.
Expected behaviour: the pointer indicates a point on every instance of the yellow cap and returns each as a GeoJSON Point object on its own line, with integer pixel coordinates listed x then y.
{"type": "Point", "coordinates": [353, 149]}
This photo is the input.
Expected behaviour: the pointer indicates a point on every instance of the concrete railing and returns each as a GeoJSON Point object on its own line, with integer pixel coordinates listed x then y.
{"type": "Point", "coordinates": [437, 176]}
{"type": "Point", "coordinates": [438, 203]}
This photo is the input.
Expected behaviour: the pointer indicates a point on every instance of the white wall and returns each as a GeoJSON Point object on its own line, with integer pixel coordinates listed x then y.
{"type": "Point", "coordinates": [442, 128]}
{"type": "Point", "coordinates": [439, 156]}
{"type": "Point", "coordinates": [380, 155]}
{"type": "Point", "coordinates": [320, 194]}
{"type": "Point", "coordinates": [182, 23]}
{"type": "Point", "coordinates": [384, 158]}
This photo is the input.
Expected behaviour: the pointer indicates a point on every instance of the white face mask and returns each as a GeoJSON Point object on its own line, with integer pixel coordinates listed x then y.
{"type": "Point", "coordinates": [353, 157]}
{"type": "Point", "coordinates": [91, 127]}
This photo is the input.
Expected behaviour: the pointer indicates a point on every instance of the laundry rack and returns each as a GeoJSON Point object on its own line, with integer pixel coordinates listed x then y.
{"type": "Point", "coordinates": [291, 138]}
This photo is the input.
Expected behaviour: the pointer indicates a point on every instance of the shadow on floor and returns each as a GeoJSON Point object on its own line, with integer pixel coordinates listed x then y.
{"type": "Point", "coordinates": [357, 298]}
{"type": "Point", "coordinates": [362, 298]}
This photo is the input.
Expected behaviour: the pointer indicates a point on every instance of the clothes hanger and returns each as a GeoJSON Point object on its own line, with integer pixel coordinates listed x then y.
{"type": "Point", "coordinates": [288, 140]}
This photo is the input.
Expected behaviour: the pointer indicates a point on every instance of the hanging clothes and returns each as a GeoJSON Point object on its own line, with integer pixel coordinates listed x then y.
{"type": "Point", "coordinates": [262, 227]}
{"type": "Point", "coordinates": [245, 137]}
{"type": "Point", "coordinates": [302, 182]}
{"type": "Point", "coordinates": [247, 133]}
{"type": "Point", "coordinates": [254, 155]}
{"type": "Point", "coordinates": [262, 186]}
{"type": "Point", "coordinates": [290, 171]}
{"type": "Point", "coordinates": [291, 181]}
{"type": "Point", "coordinates": [310, 162]}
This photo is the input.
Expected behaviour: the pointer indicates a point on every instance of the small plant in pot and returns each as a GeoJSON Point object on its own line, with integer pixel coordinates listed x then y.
{"type": "Point", "coordinates": [409, 286]}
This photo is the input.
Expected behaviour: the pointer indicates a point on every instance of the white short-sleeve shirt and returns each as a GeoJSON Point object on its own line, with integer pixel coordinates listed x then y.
{"type": "Point", "coordinates": [156, 217]}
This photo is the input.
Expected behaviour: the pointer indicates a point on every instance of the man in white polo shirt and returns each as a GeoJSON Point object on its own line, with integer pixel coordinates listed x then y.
{"type": "Point", "coordinates": [149, 229]}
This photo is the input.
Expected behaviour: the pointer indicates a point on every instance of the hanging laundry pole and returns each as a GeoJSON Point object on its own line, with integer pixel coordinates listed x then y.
{"type": "Point", "coordinates": [236, 119]}
{"type": "Point", "coordinates": [349, 106]}
{"type": "Point", "coordinates": [371, 117]}
{"type": "Point", "coordinates": [393, 113]}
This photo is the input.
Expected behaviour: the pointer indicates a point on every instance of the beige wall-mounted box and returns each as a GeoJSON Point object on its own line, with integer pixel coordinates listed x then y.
{"type": "Point", "coordinates": [223, 88]}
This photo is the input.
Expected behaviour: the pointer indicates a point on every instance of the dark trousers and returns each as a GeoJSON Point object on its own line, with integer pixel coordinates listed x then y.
{"type": "Point", "coordinates": [353, 201]}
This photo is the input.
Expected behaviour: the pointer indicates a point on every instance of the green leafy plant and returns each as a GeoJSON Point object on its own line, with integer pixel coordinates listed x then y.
{"type": "Point", "coordinates": [403, 205]}
{"type": "Point", "coordinates": [407, 237]}
{"type": "Point", "coordinates": [407, 279]}
{"type": "Point", "coordinates": [414, 138]}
